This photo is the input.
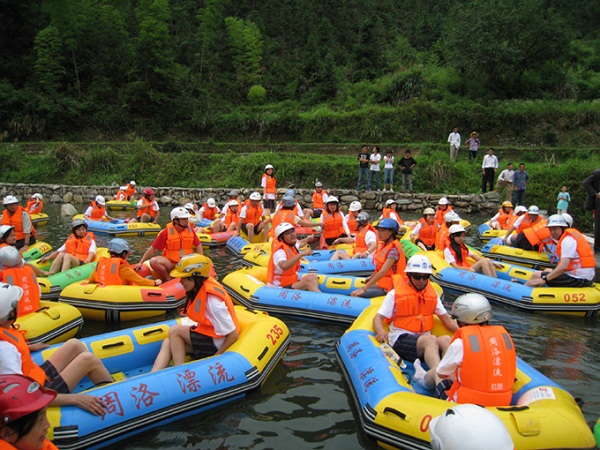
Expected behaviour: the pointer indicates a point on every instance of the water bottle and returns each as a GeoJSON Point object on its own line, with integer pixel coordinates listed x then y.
{"type": "Point", "coordinates": [391, 354]}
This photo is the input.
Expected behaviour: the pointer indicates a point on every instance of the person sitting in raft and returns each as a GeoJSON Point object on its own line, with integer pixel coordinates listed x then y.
{"type": "Point", "coordinates": [120, 195]}
{"type": "Point", "coordinates": [365, 242]}
{"type": "Point", "coordinates": [8, 238]}
{"type": "Point", "coordinates": [332, 222]}
{"type": "Point", "coordinates": [97, 210]}
{"type": "Point", "coordinates": [116, 271]}
{"type": "Point", "coordinates": [409, 308]}
{"type": "Point", "coordinates": [78, 249]}
{"type": "Point", "coordinates": [389, 260]}
{"type": "Point", "coordinates": [480, 364]}
{"type": "Point", "coordinates": [391, 211]}
{"type": "Point", "coordinates": [442, 209]}
{"type": "Point", "coordinates": [231, 196]}
{"type": "Point", "coordinates": [319, 197]}
{"type": "Point", "coordinates": [130, 191]}
{"type": "Point", "coordinates": [425, 232]}
{"type": "Point", "coordinates": [456, 254]}
{"type": "Point", "coordinates": [23, 421]}
{"type": "Point", "coordinates": [269, 187]}
{"type": "Point", "coordinates": [502, 218]}
{"type": "Point", "coordinates": [209, 210]}
{"type": "Point", "coordinates": [195, 215]}
{"type": "Point", "coordinates": [15, 272]}
{"type": "Point", "coordinates": [35, 205]}
{"type": "Point", "coordinates": [526, 221]}
{"type": "Point", "coordinates": [214, 325]}
{"type": "Point", "coordinates": [63, 370]}
{"type": "Point", "coordinates": [284, 262]}
{"type": "Point", "coordinates": [353, 211]}
{"type": "Point", "coordinates": [232, 216]}
{"type": "Point", "coordinates": [252, 219]}
{"type": "Point", "coordinates": [576, 264]}
{"type": "Point", "coordinates": [442, 239]}
{"type": "Point", "coordinates": [16, 216]}
{"type": "Point", "coordinates": [175, 241]}
{"type": "Point", "coordinates": [297, 208]}
{"type": "Point", "coordinates": [219, 222]}
{"type": "Point", "coordinates": [535, 238]}
{"type": "Point", "coordinates": [287, 214]}
{"type": "Point", "coordinates": [148, 210]}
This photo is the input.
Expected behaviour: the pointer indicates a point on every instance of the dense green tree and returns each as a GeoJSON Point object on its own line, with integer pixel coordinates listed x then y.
{"type": "Point", "coordinates": [49, 70]}
{"type": "Point", "coordinates": [246, 48]}
{"type": "Point", "coordinates": [368, 59]}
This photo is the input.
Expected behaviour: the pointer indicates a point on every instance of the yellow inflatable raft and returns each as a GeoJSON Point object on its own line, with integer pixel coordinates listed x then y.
{"type": "Point", "coordinates": [52, 323]}
{"type": "Point", "coordinates": [39, 219]}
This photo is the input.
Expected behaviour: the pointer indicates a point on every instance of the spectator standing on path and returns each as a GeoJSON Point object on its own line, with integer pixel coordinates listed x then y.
{"type": "Point", "coordinates": [488, 170]}
{"type": "Point", "coordinates": [388, 170]}
{"type": "Point", "coordinates": [505, 181]}
{"type": "Point", "coordinates": [563, 200]}
{"type": "Point", "coordinates": [592, 203]}
{"type": "Point", "coordinates": [375, 170]}
{"type": "Point", "coordinates": [520, 182]}
{"type": "Point", "coordinates": [454, 140]}
{"type": "Point", "coordinates": [473, 143]}
{"type": "Point", "coordinates": [406, 166]}
{"type": "Point", "coordinates": [363, 168]}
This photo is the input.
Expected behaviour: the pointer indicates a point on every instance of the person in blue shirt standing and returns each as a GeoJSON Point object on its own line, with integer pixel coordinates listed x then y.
{"type": "Point", "coordinates": [520, 182]}
{"type": "Point", "coordinates": [563, 200]}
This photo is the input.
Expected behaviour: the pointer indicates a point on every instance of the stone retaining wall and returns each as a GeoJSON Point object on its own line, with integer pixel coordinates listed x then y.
{"type": "Point", "coordinates": [174, 196]}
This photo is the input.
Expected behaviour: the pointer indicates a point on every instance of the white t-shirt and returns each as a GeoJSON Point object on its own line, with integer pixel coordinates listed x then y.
{"type": "Point", "coordinates": [374, 159]}
{"type": "Point", "coordinates": [10, 359]}
{"type": "Point", "coordinates": [569, 250]}
{"type": "Point", "coordinates": [415, 233]}
{"type": "Point", "coordinates": [153, 206]}
{"type": "Point", "coordinates": [449, 256]}
{"type": "Point", "coordinates": [452, 361]}
{"type": "Point", "coordinates": [278, 257]}
{"type": "Point", "coordinates": [387, 310]}
{"type": "Point", "coordinates": [506, 175]}
{"type": "Point", "coordinates": [218, 314]}
{"type": "Point", "coordinates": [454, 139]}
{"type": "Point", "coordinates": [393, 215]}
{"type": "Point", "coordinates": [388, 162]}
{"type": "Point", "coordinates": [370, 238]}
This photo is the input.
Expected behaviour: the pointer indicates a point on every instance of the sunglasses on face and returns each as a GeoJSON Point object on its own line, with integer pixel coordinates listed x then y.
{"type": "Point", "coordinates": [422, 276]}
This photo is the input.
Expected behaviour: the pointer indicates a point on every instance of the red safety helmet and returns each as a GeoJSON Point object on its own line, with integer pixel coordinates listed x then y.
{"type": "Point", "coordinates": [21, 395]}
{"type": "Point", "coordinates": [148, 191]}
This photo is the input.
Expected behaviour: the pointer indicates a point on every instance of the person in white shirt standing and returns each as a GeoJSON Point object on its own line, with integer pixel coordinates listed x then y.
{"type": "Point", "coordinates": [374, 170]}
{"type": "Point", "coordinates": [454, 140]}
{"type": "Point", "coordinates": [388, 170]}
{"type": "Point", "coordinates": [488, 170]}
{"type": "Point", "coordinates": [505, 181]}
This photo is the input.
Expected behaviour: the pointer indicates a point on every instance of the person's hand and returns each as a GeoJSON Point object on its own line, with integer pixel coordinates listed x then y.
{"type": "Point", "coordinates": [381, 337]}
{"type": "Point", "coordinates": [307, 252]}
{"type": "Point", "coordinates": [90, 403]}
{"type": "Point", "coordinates": [358, 292]}
{"type": "Point", "coordinates": [38, 346]}
{"type": "Point", "coordinates": [157, 282]}
{"type": "Point", "coordinates": [138, 266]}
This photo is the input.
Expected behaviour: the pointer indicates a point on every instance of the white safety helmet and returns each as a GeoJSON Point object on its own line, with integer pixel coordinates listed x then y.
{"type": "Point", "coordinates": [282, 228]}
{"type": "Point", "coordinates": [132, 183]}
{"type": "Point", "coordinates": [390, 202]}
{"type": "Point", "coordinates": [4, 229]}
{"type": "Point", "coordinates": [332, 199]}
{"type": "Point", "coordinates": [233, 203]}
{"type": "Point", "coordinates": [520, 209]}
{"type": "Point", "coordinates": [9, 200]}
{"type": "Point", "coordinates": [568, 219]}
{"type": "Point", "coordinates": [451, 217]}
{"type": "Point", "coordinates": [428, 212]}
{"type": "Point", "coordinates": [318, 184]}
{"type": "Point", "coordinates": [122, 188]}
{"type": "Point", "coordinates": [189, 206]}
{"type": "Point", "coordinates": [443, 201]}
{"type": "Point", "coordinates": [469, 427]}
{"type": "Point", "coordinates": [10, 256]}
{"type": "Point", "coordinates": [180, 213]}
{"type": "Point", "coordinates": [533, 210]}
{"type": "Point", "coordinates": [9, 299]}
{"type": "Point", "coordinates": [557, 220]}
{"type": "Point", "coordinates": [456, 229]}
{"type": "Point", "coordinates": [255, 196]}
{"type": "Point", "coordinates": [100, 200]}
{"type": "Point", "coordinates": [211, 203]}
{"type": "Point", "coordinates": [355, 206]}
{"type": "Point", "coordinates": [471, 309]}
{"type": "Point", "coordinates": [268, 166]}
{"type": "Point", "coordinates": [38, 196]}
{"type": "Point", "coordinates": [419, 264]}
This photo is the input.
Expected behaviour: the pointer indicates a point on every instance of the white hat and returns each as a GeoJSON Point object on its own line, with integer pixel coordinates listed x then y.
{"type": "Point", "coordinates": [100, 200]}
{"type": "Point", "coordinates": [189, 206]}
{"type": "Point", "coordinates": [132, 183]}
{"type": "Point", "coordinates": [332, 199]}
{"type": "Point", "coordinates": [443, 201]}
{"type": "Point", "coordinates": [533, 210]}
{"type": "Point", "coordinates": [355, 206]}
{"type": "Point", "coordinates": [211, 203]}
{"type": "Point", "coordinates": [38, 196]}
{"type": "Point", "coordinates": [255, 196]}
{"type": "Point", "coordinates": [9, 200]}
{"type": "Point", "coordinates": [268, 166]}
{"type": "Point", "coordinates": [233, 203]}
{"type": "Point", "coordinates": [456, 229]}
{"type": "Point", "coordinates": [390, 201]}
{"type": "Point", "coordinates": [179, 213]}
{"type": "Point", "coordinates": [520, 209]}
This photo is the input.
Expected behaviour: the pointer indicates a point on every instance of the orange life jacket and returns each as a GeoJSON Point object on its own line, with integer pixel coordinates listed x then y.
{"type": "Point", "coordinates": [413, 309]}
{"type": "Point", "coordinates": [538, 234]}
{"type": "Point", "coordinates": [428, 233]}
{"type": "Point", "coordinates": [464, 251]}
{"type": "Point", "coordinates": [16, 220]}
{"type": "Point", "coordinates": [439, 214]}
{"type": "Point", "coordinates": [317, 198]}
{"type": "Point", "coordinates": [289, 276]}
{"type": "Point", "coordinates": [107, 271]}
{"type": "Point", "coordinates": [150, 211]}
{"type": "Point", "coordinates": [253, 214]}
{"type": "Point", "coordinates": [47, 445]}
{"type": "Point", "coordinates": [232, 217]}
{"type": "Point", "coordinates": [208, 212]}
{"type": "Point", "coordinates": [504, 218]}
{"type": "Point", "coordinates": [98, 211]}
{"type": "Point", "coordinates": [334, 225]}
{"type": "Point", "coordinates": [443, 237]}
{"type": "Point", "coordinates": [130, 191]}
{"type": "Point", "coordinates": [32, 209]}
{"type": "Point", "coordinates": [397, 268]}
{"type": "Point", "coordinates": [488, 368]}
{"type": "Point", "coordinates": [178, 244]}
{"type": "Point", "coordinates": [28, 366]}
{"type": "Point", "coordinates": [361, 245]}
{"type": "Point", "coordinates": [197, 310]}
{"type": "Point", "coordinates": [79, 248]}
{"type": "Point", "coordinates": [527, 222]}
{"type": "Point", "coordinates": [271, 184]}
{"type": "Point", "coordinates": [25, 278]}
{"type": "Point", "coordinates": [121, 195]}
{"type": "Point", "coordinates": [280, 216]}
{"type": "Point", "coordinates": [584, 251]}
{"type": "Point", "coordinates": [351, 221]}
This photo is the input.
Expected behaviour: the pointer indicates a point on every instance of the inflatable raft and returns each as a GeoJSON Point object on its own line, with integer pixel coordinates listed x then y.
{"type": "Point", "coordinates": [36, 251]}
{"type": "Point", "coordinates": [215, 239]}
{"type": "Point", "coordinates": [140, 400]}
{"type": "Point", "coordinates": [52, 323]}
{"type": "Point", "coordinates": [578, 301]}
{"type": "Point", "coordinates": [247, 286]}
{"type": "Point", "coordinates": [239, 245]}
{"type": "Point", "coordinates": [542, 413]}
{"type": "Point", "coordinates": [486, 232]}
{"type": "Point", "coordinates": [39, 219]}
{"type": "Point", "coordinates": [120, 227]}
{"type": "Point", "coordinates": [123, 303]}
{"type": "Point", "coordinates": [497, 250]}
{"type": "Point", "coordinates": [121, 205]}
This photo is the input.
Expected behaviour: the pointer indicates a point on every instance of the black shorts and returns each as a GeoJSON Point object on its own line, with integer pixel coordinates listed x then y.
{"type": "Point", "coordinates": [564, 280]}
{"type": "Point", "coordinates": [21, 242]}
{"type": "Point", "coordinates": [522, 242]}
{"type": "Point", "coordinates": [202, 346]}
{"type": "Point", "coordinates": [442, 387]}
{"type": "Point", "coordinates": [54, 380]}
{"type": "Point", "coordinates": [269, 204]}
{"type": "Point", "coordinates": [245, 229]}
{"type": "Point", "coordinates": [330, 241]}
{"type": "Point", "coordinates": [428, 247]}
{"type": "Point", "coordinates": [406, 346]}
{"type": "Point", "coordinates": [317, 213]}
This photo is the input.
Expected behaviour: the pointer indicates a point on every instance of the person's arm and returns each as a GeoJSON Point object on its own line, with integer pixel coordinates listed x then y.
{"type": "Point", "coordinates": [588, 184]}
{"type": "Point", "coordinates": [128, 274]}
{"type": "Point", "coordinates": [380, 332]}
{"type": "Point", "coordinates": [92, 253]}
{"type": "Point", "coordinates": [289, 263]}
{"type": "Point", "coordinates": [372, 281]}
{"type": "Point", "coordinates": [448, 322]}
{"type": "Point", "coordinates": [560, 268]}
{"type": "Point", "coordinates": [89, 403]}
{"type": "Point", "coordinates": [147, 255]}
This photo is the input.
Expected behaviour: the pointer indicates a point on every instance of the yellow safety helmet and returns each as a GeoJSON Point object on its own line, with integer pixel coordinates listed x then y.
{"type": "Point", "coordinates": [190, 265]}
{"type": "Point", "coordinates": [507, 204]}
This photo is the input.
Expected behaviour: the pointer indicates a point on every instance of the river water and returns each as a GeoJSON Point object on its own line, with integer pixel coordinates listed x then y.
{"type": "Point", "coordinates": [306, 404]}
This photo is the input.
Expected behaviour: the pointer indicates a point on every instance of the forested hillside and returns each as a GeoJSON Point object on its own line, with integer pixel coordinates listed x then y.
{"type": "Point", "coordinates": [520, 71]}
